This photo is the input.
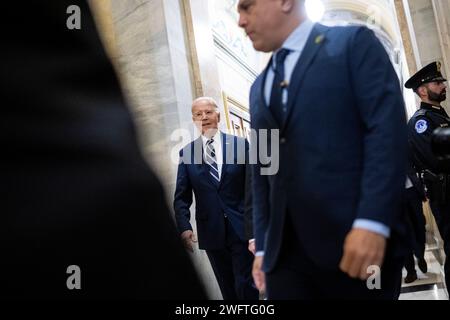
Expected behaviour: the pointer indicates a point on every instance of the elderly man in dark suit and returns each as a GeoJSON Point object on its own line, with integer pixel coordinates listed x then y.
{"type": "Point", "coordinates": [331, 213]}
{"type": "Point", "coordinates": [214, 168]}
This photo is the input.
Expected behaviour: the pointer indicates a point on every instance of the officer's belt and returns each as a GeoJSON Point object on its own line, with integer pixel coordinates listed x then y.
{"type": "Point", "coordinates": [435, 177]}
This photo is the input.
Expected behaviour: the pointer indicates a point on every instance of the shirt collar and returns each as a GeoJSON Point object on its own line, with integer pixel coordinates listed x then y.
{"type": "Point", "coordinates": [216, 138]}
{"type": "Point", "coordinates": [438, 109]}
{"type": "Point", "coordinates": [298, 38]}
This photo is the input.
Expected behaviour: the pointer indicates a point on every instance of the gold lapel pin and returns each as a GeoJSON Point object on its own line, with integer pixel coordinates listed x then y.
{"type": "Point", "coordinates": [319, 38]}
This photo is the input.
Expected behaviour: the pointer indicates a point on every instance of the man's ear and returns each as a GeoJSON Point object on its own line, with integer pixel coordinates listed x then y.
{"type": "Point", "coordinates": [288, 5]}
{"type": "Point", "coordinates": [218, 117]}
{"type": "Point", "coordinates": [422, 91]}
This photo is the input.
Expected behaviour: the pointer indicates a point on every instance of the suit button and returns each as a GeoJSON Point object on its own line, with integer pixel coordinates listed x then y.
{"type": "Point", "coordinates": [283, 140]}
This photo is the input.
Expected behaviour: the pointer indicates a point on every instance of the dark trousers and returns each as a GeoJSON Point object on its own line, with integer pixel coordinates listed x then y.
{"type": "Point", "coordinates": [441, 213]}
{"type": "Point", "coordinates": [232, 267]}
{"type": "Point", "coordinates": [416, 219]}
{"type": "Point", "coordinates": [296, 277]}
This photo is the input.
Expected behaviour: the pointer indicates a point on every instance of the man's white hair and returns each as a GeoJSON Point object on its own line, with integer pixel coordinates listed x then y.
{"type": "Point", "coordinates": [209, 100]}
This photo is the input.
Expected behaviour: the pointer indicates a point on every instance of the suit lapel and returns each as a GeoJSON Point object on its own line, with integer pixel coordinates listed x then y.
{"type": "Point", "coordinates": [198, 159]}
{"type": "Point", "coordinates": [314, 43]}
{"type": "Point", "coordinates": [263, 107]}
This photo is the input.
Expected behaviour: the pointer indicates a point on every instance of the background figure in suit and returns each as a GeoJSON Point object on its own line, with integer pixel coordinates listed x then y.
{"type": "Point", "coordinates": [334, 207]}
{"type": "Point", "coordinates": [414, 196]}
{"type": "Point", "coordinates": [214, 168]}
{"type": "Point", "coordinates": [76, 188]}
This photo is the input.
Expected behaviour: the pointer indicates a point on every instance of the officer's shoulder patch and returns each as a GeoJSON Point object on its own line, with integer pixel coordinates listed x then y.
{"type": "Point", "coordinates": [421, 126]}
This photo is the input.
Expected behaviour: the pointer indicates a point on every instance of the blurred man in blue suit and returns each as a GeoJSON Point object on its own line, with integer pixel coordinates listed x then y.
{"type": "Point", "coordinates": [214, 168]}
{"type": "Point", "coordinates": [333, 210]}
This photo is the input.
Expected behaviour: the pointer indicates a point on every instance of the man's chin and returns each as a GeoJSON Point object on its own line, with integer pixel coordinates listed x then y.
{"type": "Point", "coordinates": [258, 46]}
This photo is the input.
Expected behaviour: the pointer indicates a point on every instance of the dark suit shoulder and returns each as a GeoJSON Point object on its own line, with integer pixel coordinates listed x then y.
{"type": "Point", "coordinates": [348, 32]}
{"type": "Point", "coordinates": [429, 117]}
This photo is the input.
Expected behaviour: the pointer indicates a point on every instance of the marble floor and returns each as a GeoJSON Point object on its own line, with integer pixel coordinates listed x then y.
{"type": "Point", "coordinates": [429, 286]}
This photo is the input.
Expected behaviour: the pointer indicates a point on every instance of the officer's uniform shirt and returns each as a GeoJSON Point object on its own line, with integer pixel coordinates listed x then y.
{"type": "Point", "coordinates": [420, 131]}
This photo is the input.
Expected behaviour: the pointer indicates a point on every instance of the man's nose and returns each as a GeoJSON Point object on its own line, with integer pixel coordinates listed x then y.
{"type": "Point", "coordinates": [242, 21]}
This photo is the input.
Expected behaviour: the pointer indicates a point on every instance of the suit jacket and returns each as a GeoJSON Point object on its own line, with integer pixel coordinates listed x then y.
{"type": "Point", "coordinates": [212, 202]}
{"type": "Point", "coordinates": [342, 148]}
{"type": "Point", "coordinates": [77, 190]}
{"type": "Point", "coordinates": [248, 213]}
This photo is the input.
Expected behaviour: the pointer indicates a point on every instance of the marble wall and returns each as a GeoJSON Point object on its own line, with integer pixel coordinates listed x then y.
{"type": "Point", "coordinates": [442, 13]}
{"type": "Point", "coordinates": [166, 55]}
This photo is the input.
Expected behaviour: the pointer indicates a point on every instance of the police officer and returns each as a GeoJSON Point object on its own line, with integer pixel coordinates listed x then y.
{"type": "Point", "coordinates": [429, 85]}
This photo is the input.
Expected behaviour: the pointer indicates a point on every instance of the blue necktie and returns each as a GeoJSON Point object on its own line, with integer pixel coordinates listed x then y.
{"type": "Point", "coordinates": [279, 84]}
{"type": "Point", "coordinates": [211, 161]}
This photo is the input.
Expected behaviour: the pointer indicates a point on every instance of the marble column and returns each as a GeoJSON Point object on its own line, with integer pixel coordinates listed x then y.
{"type": "Point", "coordinates": [406, 36]}
{"type": "Point", "coordinates": [427, 33]}
{"type": "Point", "coordinates": [205, 68]}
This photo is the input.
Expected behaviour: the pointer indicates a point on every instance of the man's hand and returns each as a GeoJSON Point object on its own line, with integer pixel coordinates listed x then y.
{"type": "Point", "coordinates": [362, 249]}
{"type": "Point", "coordinates": [251, 246]}
{"type": "Point", "coordinates": [188, 239]}
{"type": "Point", "coordinates": [258, 275]}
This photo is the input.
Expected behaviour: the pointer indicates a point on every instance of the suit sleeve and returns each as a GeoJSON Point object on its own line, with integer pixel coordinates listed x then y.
{"type": "Point", "coordinates": [382, 112]}
{"type": "Point", "coordinates": [183, 197]}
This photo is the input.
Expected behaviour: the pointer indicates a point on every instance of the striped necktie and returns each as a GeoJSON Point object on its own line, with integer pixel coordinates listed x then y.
{"type": "Point", "coordinates": [211, 161]}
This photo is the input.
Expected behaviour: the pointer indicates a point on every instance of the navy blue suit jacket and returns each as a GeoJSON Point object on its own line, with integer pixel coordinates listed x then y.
{"type": "Point", "coordinates": [212, 201]}
{"type": "Point", "coordinates": [342, 148]}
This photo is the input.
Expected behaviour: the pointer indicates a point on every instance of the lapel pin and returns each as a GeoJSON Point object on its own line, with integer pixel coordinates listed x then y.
{"type": "Point", "coordinates": [319, 38]}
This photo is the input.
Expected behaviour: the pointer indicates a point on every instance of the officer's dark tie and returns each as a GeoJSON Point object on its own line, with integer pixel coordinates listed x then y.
{"type": "Point", "coordinates": [211, 161]}
{"type": "Point", "coordinates": [279, 83]}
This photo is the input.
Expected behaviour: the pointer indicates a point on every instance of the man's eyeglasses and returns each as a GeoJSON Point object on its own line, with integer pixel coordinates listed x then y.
{"type": "Point", "coordinates": [199, 115]}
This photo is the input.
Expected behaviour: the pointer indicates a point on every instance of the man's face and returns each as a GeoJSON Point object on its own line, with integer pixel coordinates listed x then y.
{"type": "Point", "coordinates": [437, 91]}
{"type": "Point", "coordinates": [205, 117]}
{"type": "Point", "coordinates": [261, 20]}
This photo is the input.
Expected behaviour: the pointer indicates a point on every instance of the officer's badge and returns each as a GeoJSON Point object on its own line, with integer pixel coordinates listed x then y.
{"type": "Point", "coordinates": [319, 38]}
{"type": "Point", "coordinates": [439, 66]}
{"type": "Point", "coordinates": [421, 126]}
